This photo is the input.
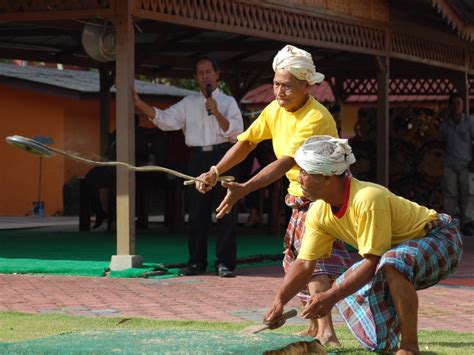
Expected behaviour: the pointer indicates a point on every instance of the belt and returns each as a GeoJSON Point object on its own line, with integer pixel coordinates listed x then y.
{"type": "Point", "coordinates": [210, 148]}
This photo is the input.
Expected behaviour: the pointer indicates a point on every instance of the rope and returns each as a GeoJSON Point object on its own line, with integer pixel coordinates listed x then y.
{"type": "Point", "coordinates": [189, 180]}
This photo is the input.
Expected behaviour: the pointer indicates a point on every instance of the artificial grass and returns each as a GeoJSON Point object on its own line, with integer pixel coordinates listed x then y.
{"type": "Point", "coordinates": [43, 266]}
{"type": "Point", "coordinates": [89, 254]}
{"type": "Point", "coordinates": [163, 341]}
{"type": "Point", "coordinates": [19, 327]}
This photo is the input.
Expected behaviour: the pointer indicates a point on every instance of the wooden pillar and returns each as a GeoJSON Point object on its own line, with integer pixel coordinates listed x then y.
{"type": "Point", "coordinates": [461, 82]}
{"type": "Point", "coordinates": [336, 83]}
{"type": "Point", "coordinates": [383, 122]}
{"type": "Point", "coordinates": [125, 73]}
{"type": "Point", "coordinates": [106, 81]}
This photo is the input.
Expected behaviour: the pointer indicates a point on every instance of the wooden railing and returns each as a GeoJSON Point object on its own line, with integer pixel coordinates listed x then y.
{"type": "Point", "coordinates": [262, 19]}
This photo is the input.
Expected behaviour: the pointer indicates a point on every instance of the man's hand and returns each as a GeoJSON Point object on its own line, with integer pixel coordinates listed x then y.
{"type": "Point", "coordinates": [235, 191]}
{"type": "Point", "coordinates": [211, 106]}
{"type": "Point", "coordinates": [135, 96]}
{"type": "Point", "coordinates": [319, 306]}
{"type": "Point", "coordinates": [273, 316]}
{"type": "Point", "coordinates": [142, 106]}
{"type": "Point", "coordinates": [210, 177]}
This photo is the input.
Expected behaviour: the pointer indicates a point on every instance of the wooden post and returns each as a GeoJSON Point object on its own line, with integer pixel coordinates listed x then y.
{"type": "Point", "coordinates": [125, 74]}
{"type": "Point", "coordinates": [383, 121]}
{"type": "Point", "coordinates": [461, 83]}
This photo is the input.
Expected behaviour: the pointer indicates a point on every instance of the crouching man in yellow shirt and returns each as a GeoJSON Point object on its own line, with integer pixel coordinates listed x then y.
{"type": "Point", "coordinates": [405, 247]}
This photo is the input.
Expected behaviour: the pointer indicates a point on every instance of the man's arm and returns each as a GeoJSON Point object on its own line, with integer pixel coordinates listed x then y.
{"type": "Point", "coordinates": [142, 106]}
{"type": "Point", "coordinates": [266, 176]}
{"type": "Point", "coordinates": [357, 278]}
{"type": "Point", "coordinates": [235, 155]}
{"type": "Point", "coordinates": [322, 303]}
{"type": "Point", "coordinates": [211, 105]}
{"type": "Point", "coordinates": [295, 280]}
{"type": "Point", "coordinates": [269, 174]}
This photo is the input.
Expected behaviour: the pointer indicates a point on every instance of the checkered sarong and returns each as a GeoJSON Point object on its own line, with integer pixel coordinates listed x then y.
{"type": "Point", "coordinates": [369, 313]}
{"type": "Point", "coordinates": [333, 266]}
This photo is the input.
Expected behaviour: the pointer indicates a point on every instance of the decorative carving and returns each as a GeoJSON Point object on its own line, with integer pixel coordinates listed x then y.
{"type": "Point", "coordinates": [418, 46]}
{"type": "Point", "coordinates": [376, 10]}
{"type": "Point", "coordinates": [401, 87]}
{"type": "Point", "coordinates": [15, 6]}
{"type": "Point", "coordinates": [269, 21]}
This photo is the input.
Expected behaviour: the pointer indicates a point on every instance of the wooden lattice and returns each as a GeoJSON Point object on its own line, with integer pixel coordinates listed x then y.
{"type": "Point", "coordinates": [360, 87]}
{"type": "Point", "coordinates": [376, 10]}
{"type": "Point", "coordinates": [471, 59]}
{"type": "Point", "coordinates": [15, 6]}
{"type": "Point", "coordinates": [402, 87]}
{"type": "Point", "coordinates": [410, 45]}
{"type": "Point", "coordinates": [260, 19]}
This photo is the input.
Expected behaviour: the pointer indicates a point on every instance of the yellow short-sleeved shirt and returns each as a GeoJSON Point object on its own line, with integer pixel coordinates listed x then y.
{"type": "Point", "coordinates": [372, 219]}
{"type": "Point", "coordinates": [289, 130]}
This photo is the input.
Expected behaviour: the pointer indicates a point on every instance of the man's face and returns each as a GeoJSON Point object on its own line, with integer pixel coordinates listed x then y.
{"type": "Point", "coordinates": [313, 186]}
{"type": "Point", "coordinates": [205, 74]}
{"type": "Point", "coordinates": [290, 92]}
{"type": "Point", "coordinates": [456, 106]}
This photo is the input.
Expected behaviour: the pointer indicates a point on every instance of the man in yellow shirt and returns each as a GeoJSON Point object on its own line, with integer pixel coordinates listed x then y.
{"type": "Point", "coordinates": [405, 247]}
{"type": "Point", "coordinates": [288, 121]}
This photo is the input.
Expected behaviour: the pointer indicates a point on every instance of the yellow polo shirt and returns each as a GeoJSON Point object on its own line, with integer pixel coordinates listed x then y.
{"type": "Point", "coordinates": [289, 130]}
{"type": "Point", "coordinates": [372, 220]}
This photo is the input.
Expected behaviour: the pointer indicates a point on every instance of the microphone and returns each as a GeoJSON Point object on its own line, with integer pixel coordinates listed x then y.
{"type": "Point", "coordinates": [208, 94]}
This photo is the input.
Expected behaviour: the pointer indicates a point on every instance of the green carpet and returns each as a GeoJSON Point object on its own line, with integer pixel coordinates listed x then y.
{"type": "Point", "coordinates": [89, 254]}
{"type": "Point", "coordinates": [153, 342]}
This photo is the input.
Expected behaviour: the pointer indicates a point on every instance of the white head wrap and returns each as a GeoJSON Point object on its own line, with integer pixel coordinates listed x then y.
{"type": "Point", "coordinates": [325, 155]}
{"type": "Point", "coordinates": [299, 63]}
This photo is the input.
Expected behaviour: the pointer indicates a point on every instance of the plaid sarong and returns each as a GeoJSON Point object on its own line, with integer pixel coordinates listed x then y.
{"type": "Point", "coordinates": [334, 266]}
{"type": "Point", "coordinates": [369, 313]}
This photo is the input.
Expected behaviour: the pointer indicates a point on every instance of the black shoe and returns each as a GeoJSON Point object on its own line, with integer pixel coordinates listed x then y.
{"type": "Point", "coordinates": [193, 269]}
{"type": "Point", "coordinates": [99, 219]}
{"type": "Point", "coordinates": [224, 271]}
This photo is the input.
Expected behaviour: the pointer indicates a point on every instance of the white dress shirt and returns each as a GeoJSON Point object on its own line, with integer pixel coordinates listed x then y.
{"type": "Point", "coordinates": [198, 127]}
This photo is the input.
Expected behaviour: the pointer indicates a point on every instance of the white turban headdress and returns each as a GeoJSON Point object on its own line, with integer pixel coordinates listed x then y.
{"type": "Point", "coordinates": [325, 155]}
{"type": "Point", "coordinates": [299, 63]}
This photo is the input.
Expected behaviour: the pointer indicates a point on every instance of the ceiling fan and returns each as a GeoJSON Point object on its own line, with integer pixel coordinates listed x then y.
{"type": "Point", "coordinates": [99, 41]}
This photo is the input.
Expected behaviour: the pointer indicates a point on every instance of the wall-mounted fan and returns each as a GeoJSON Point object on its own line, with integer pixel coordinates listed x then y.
{"type": "Point", "coordinates": [99, 42]}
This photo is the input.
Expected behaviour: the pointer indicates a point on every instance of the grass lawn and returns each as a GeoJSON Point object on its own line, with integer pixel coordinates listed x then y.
{"type": "Point", "coordinates": [16, 327]}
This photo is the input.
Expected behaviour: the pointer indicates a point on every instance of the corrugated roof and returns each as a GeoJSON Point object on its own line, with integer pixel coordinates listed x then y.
{"type": "Point", "coordinates": [81, 81]}
{"type": "Point", "coordinates": [264, 94]}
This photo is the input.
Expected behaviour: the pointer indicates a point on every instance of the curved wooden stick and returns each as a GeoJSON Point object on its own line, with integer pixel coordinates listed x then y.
{"type": "Point", "coordinates": [25, 143]}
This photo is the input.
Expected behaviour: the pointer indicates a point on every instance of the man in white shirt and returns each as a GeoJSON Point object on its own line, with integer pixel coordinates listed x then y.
{"type": "Point", "coordinates": [211, 122]}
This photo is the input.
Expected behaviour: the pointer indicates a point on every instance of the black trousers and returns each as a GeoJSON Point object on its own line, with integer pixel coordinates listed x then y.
{"type": "Point", "coordinates": [97, 178]}
{"type": "Point", "coordinates": [201, 207]}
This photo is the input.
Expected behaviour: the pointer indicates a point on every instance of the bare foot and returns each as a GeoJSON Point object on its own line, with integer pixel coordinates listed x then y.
{"type": "Point", "coordinates": [408, 349]}
{"type": "Point", "coordinates": [329, 341]}
{"type": "Point", "coordinates": [312, 331]}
